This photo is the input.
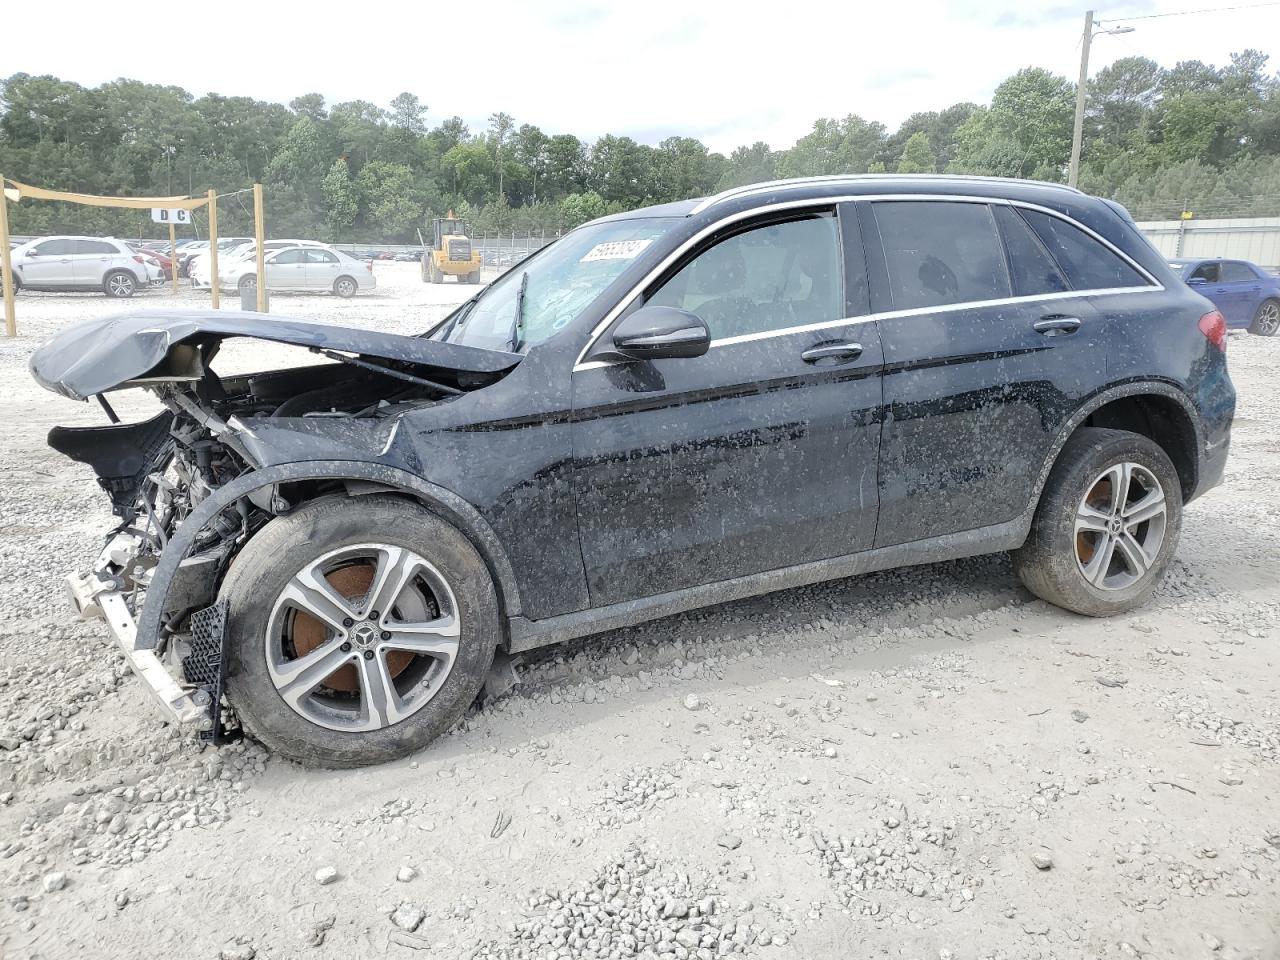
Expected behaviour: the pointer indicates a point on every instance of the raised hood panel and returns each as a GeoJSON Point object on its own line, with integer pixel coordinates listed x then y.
{"type": "Point", "coordinates": [101, 355]}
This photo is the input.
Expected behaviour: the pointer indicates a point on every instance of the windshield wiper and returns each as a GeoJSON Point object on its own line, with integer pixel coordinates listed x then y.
{"type": "Point", "coordinates": [517, 322]}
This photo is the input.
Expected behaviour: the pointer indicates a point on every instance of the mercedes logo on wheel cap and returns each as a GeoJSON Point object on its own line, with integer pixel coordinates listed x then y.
{"type": "Point", "coordinates": [365, 634]}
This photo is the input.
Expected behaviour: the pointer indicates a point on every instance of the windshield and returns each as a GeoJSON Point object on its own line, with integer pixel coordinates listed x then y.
{"type": "Point", "coordinates": [562, 279]}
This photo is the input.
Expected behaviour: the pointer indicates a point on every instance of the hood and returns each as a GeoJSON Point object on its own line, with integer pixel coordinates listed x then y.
{"type": "Point", "coordinates": [149, 346]}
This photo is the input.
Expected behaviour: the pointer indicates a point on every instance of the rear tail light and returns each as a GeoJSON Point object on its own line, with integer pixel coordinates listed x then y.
{"type": "Point", "coordinates": [1214, 327]}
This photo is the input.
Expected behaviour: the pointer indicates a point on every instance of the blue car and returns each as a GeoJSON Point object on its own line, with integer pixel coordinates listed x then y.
{"type": "Point", "coordinates": [1246, 295]}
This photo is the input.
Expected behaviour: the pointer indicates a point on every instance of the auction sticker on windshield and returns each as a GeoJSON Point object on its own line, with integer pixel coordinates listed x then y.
{"type": "Point", "coordinates": [616, 250]}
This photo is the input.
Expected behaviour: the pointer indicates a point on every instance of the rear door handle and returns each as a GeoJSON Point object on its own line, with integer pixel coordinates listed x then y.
{"type": "Point", "coordinates": [840, 352]}
{"type": "Point", "coordinates": [1056, 326]}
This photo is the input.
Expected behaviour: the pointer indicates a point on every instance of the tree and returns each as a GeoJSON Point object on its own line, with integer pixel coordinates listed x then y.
{"type": "Point", "coordinates": [917, 155]}
{"type": "Point", "coordinates": [500, 126]}
{"type": "Point", "coordinates": [386, 190]}
{"type": "Point", "coordinates": [834, 146]}
{"type": "Point", "coordinates": [1121, 97]}
{"type": "Point", "coordinates": [341, 201]}
{"type": "Point", "coordinates": [309, 105]}
{"type": "Point", "coordinates": [754, 164]}
{"type": "Point", "coordinates": [1026, 132]}
{"type": "Point", "coordinates": [408, 113]}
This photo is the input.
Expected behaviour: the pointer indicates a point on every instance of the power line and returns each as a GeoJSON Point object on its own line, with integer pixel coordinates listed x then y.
{"type": "Point", "coordinates": [1189, 13]}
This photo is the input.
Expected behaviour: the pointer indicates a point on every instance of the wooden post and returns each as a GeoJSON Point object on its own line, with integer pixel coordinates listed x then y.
{"type": "Point", "coordinates": [213, 249]}
{"type": "Point", "coordinates": [259, 235]}
{"type": "Point", "coordinates": [6, 265]}
{"type": "Point", "coordinates": [173, 259]}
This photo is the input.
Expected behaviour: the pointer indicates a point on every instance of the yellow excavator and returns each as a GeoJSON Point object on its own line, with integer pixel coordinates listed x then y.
{"type": "Point", "coordinates": [450, 253]}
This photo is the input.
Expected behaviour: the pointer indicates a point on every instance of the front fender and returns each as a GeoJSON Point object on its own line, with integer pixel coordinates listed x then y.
{"type": "Point", "coordinates": [369, 475]}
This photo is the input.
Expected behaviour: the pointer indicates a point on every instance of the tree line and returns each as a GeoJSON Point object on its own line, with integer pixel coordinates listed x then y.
{"type": "Point", "coordinates": [1156, 139]}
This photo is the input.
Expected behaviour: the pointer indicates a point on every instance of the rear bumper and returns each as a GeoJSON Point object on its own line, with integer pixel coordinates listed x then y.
{"type": "Point", "coordinates": [99, 595]}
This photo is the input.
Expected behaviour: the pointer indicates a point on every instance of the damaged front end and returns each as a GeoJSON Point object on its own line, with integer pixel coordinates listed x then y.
{"type": "Point", "coordinates": [190, 486]}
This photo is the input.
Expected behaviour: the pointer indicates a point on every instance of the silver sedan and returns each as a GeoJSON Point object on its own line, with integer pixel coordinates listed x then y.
{"type": "Point", "coordinates": [303, 268]}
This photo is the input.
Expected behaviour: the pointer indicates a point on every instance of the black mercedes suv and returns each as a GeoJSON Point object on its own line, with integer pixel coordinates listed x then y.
{"type": "Point", "coordinates": [669, 408]}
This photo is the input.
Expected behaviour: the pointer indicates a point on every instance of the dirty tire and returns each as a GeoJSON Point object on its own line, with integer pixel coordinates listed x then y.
{"type": "Point", "coordinates": [1047, 563]}
{"type": "Point", "coordinates": [119, 284]}
{"type": "Point", "coordinates": [1267, 320]}
{"type": "Point", "coordinates": [289, 543]}
{"type": "Point", "coordinates": [345, 287]}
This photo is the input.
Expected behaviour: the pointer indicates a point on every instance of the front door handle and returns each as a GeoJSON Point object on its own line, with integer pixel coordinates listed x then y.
{"type": "Point", "coordinates": [839, 352]}
{"type": "Point", "coordinates": [1057, 326]}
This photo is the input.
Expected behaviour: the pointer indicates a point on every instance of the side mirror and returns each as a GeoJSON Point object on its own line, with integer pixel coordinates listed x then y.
{"type": "Point", "coordinates": [660, 333]}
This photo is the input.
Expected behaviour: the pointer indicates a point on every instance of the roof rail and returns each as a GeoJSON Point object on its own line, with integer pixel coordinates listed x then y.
{"type": "Point", "coordinates": [768, 185]}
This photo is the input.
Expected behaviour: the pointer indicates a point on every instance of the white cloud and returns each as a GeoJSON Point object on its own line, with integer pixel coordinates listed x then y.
{"type": "Point", "coordinates": [727, 73]}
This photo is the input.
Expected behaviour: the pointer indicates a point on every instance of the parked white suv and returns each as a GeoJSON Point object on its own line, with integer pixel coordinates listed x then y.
{"type": "Point", "coordinates": [80, 263]}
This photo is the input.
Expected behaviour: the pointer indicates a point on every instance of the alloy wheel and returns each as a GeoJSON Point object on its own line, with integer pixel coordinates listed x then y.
{"type": "Point", "coordinates": [1120, 526]}
{"type": "Point", "coordinates": [120, 285]}
{"type": "Point", "coordinates": [362, 637]}
{"type": "Point", "coordinates": [1268, 318]}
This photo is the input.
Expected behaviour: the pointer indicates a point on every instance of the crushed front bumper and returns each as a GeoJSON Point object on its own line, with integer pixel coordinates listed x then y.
{"type": "Point", "coordinates": [101, 594]}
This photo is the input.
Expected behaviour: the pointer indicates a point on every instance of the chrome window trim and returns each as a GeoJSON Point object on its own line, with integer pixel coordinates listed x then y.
{"type": "Point", "coordinates": [823, 202]}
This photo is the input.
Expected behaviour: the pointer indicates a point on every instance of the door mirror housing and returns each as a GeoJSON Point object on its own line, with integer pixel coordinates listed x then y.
{"type": "Point", "coordinates": [661, 333]}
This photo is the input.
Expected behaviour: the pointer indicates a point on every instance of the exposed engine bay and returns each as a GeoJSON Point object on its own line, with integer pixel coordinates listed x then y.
{"type": "Point", "coordinates": [202, 450]}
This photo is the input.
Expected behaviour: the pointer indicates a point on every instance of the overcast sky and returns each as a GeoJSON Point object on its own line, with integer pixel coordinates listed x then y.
{"type": "Point", "coordinates": [728, 73]}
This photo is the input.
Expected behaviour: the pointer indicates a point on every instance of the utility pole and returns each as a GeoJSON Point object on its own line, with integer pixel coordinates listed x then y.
{"type": "Point", "coordinates": [1077, 133]}
{"type": "Point", "coordinates": [1091, 29]}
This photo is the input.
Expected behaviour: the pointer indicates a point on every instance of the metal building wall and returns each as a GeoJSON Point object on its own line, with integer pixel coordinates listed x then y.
{"type": "Point", "coordinates": [1254, 238]}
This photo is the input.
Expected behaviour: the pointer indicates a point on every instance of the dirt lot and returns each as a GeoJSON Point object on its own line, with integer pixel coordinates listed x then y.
{"type": "Point", "coordinates": [922, 763]}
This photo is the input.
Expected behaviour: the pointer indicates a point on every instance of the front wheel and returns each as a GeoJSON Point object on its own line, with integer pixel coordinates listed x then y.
{"type": "Point", "coordinates": [345, 287]}
{"type": "Point", "coordinates": [359, 630]}
{"type": "Point", "coordinates": [120, 284]}
{"type": "Point", "coordinates": [1107, 524]}
{"type": "Point", "coordinates": [1267, 320]}
{"type": "Point", "coordinates": [248, 282]}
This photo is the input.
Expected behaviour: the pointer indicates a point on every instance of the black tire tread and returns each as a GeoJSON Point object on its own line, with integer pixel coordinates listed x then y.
{"type": "Point", "coordinates": [314, 528]}
{"type": "Point", "coordinates": [1046, 562]}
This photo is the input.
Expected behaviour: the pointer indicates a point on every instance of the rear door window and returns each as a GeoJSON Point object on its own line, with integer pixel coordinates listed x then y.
{"type": "Point", "coordinates": [1033, 271]}
{"type": "Point", "coordinates": [1233, 271]}
{"type": "Point", "coordinates": [1088, 264]}
{"type": "Point", "coordinates": [291, 256]}
{"type": "Point", "coordinates": [941, 252]}
{"type": "Point", "coordinates": [95, 248]}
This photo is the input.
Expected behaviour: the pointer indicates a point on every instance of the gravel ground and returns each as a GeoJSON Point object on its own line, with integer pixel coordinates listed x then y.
{"type": "Point", "coordinates": [921, 763]}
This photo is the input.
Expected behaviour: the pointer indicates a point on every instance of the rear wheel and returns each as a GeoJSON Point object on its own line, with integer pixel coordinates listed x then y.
{"type": "Point", "coordinates": [248, 282]}
{"type": "Point", "coordinates": [119, 284]}
{"type": "Point", "coordinates": [359, 629]}
{"type": "Point", "coordinates": [473, 276]}
{"type": "Point", "coordinates": [1107, 524]}
{"type": "Point", "coordinates": [345, 287]}
{"type": "Point", "coordinates": [1267, 320]}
